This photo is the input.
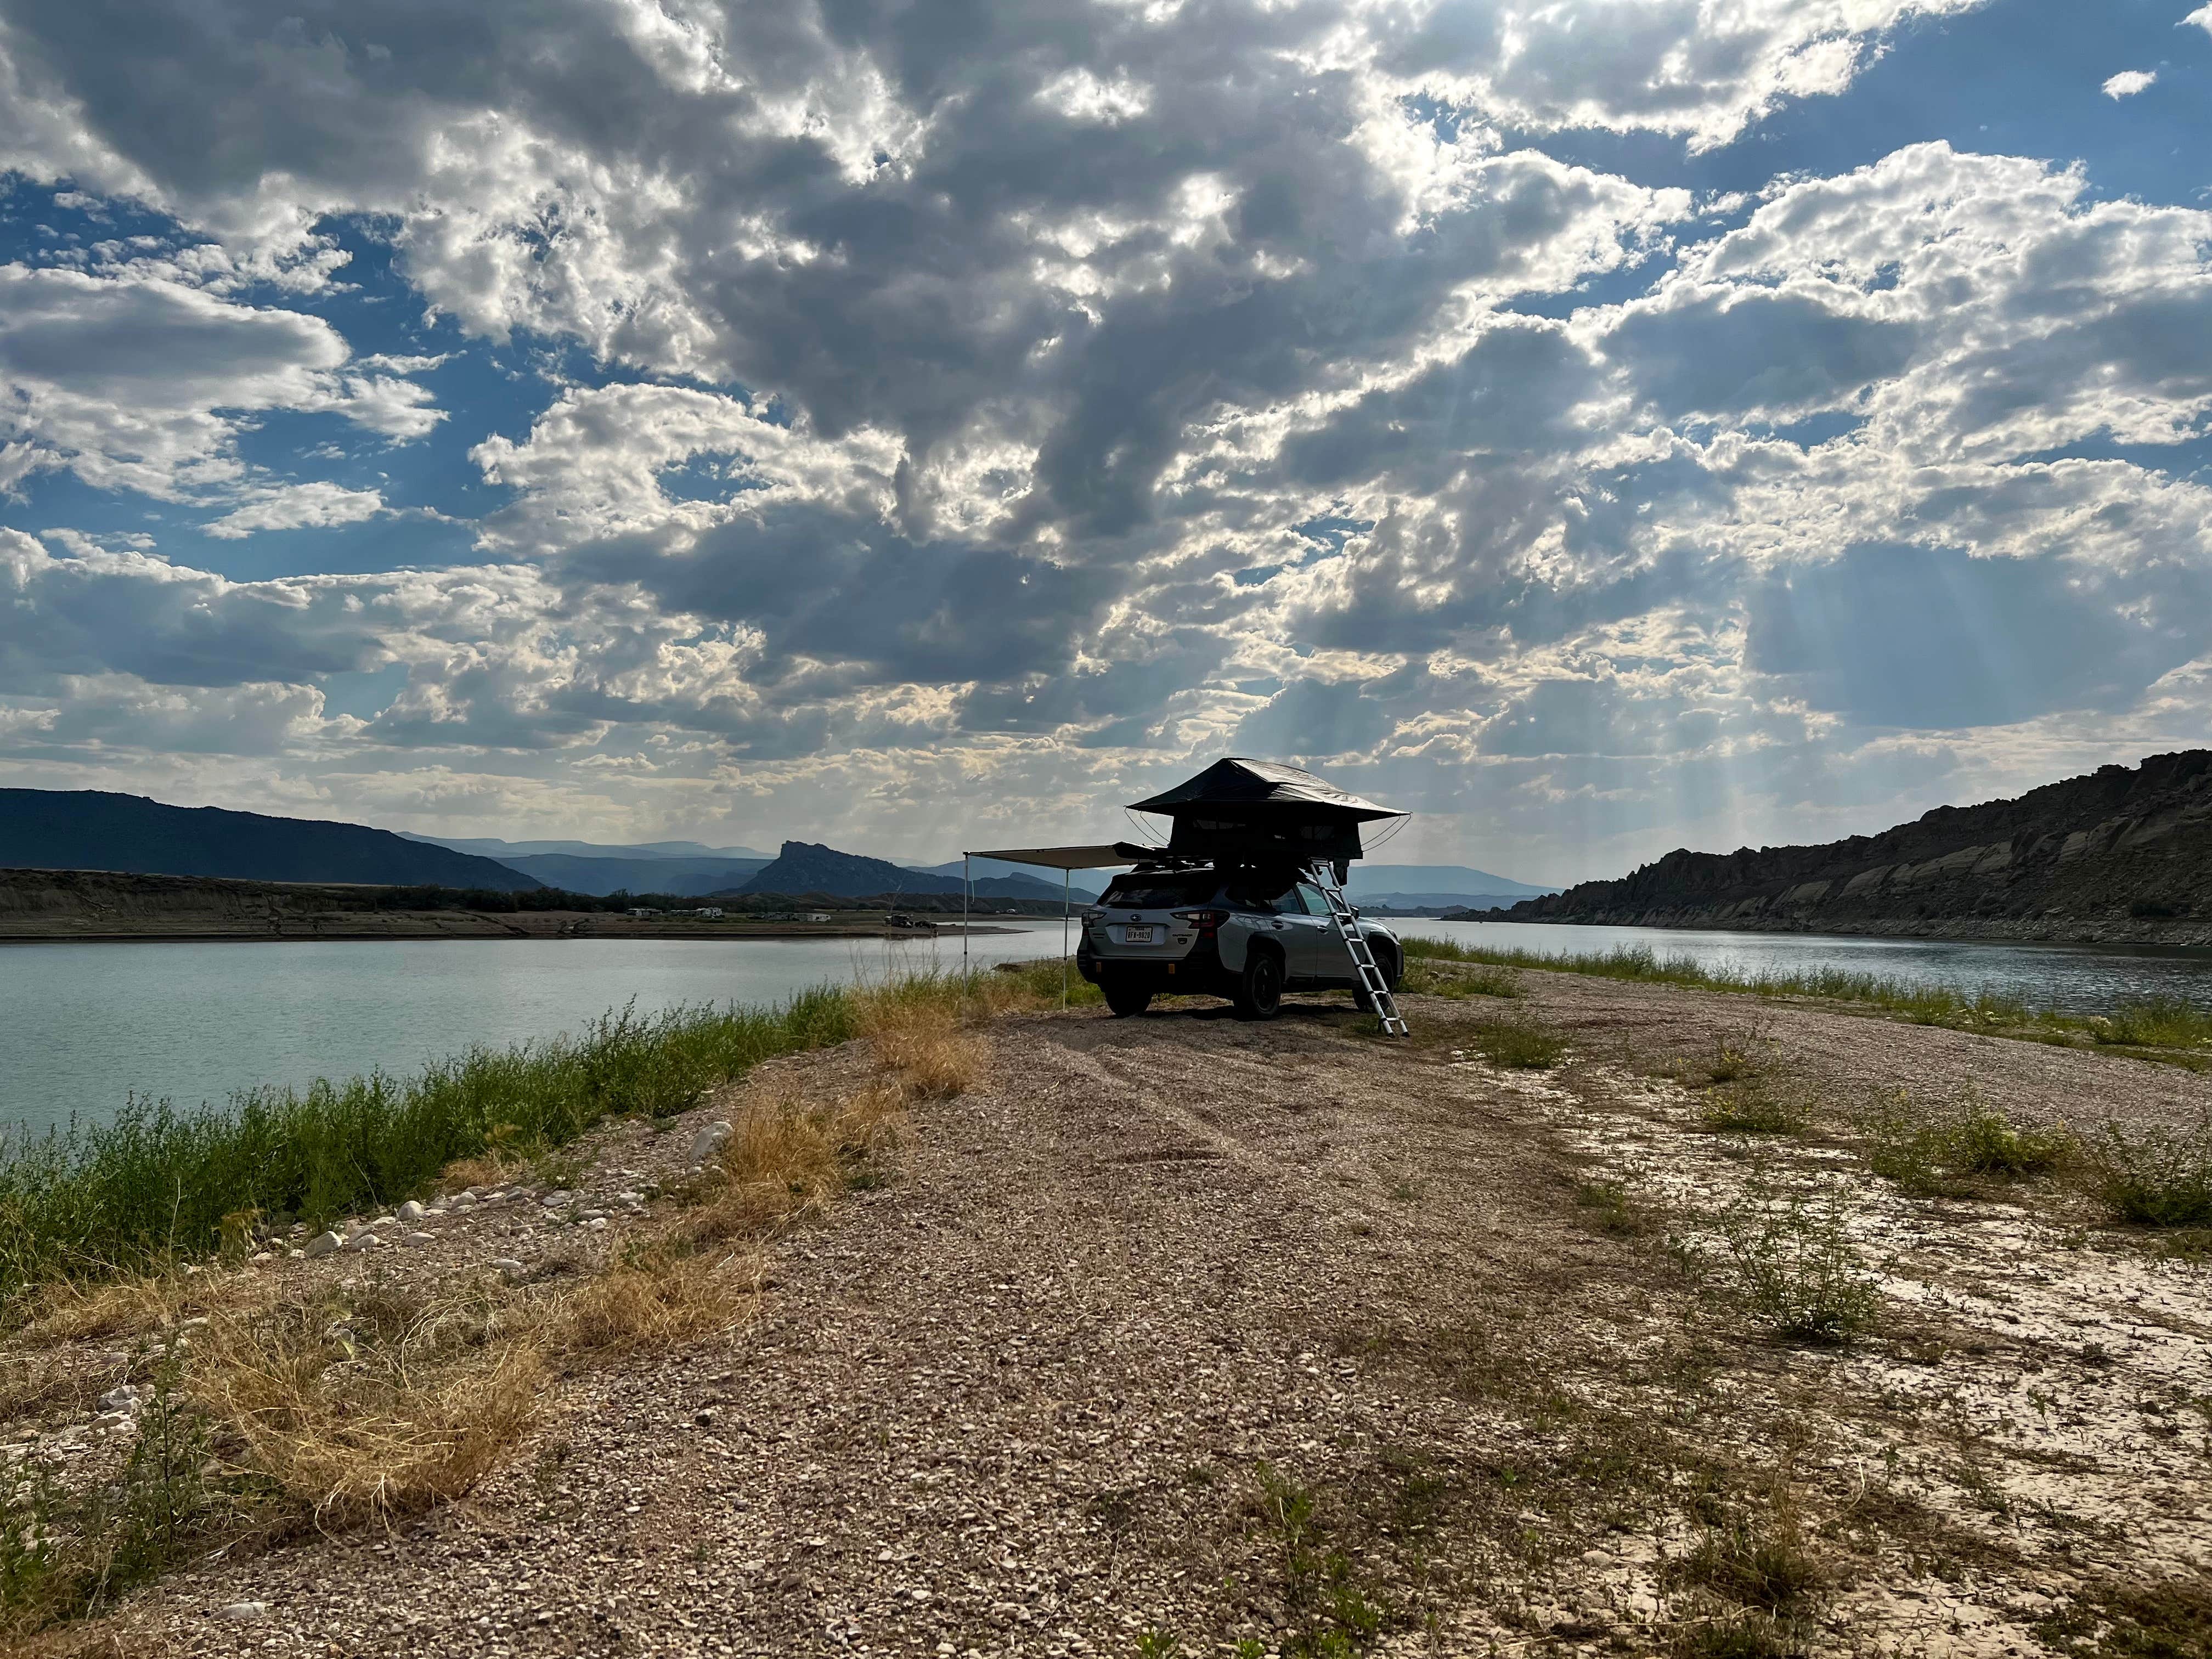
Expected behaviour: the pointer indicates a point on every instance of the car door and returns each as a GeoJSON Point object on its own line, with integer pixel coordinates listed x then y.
{"type": "Point", "coordinates": [1326, 956]}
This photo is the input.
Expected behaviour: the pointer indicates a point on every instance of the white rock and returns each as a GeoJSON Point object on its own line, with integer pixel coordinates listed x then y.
{"type": "Point", "coordinates": [590, 1215]}
{"type": "Point", "coordinates": [242, 1611]}
{"type": "Point", "coordinates": [554, 1200]}
{"type": "Point", "coordinates": [708, 1142]}
{"type": "Point", "coordinates": [410, 1211]}
{"type": "Point", "coordinates": [598, 1224]}
{"type": "Point", "coordinates": [122, 1397]}
{"type": "Point", "coordinates": [361, 1242]}
{"type": "Point", "coordinates": [264, 1256]}
{"type": "Point", "coordinates": [629, 1198]}
{"type": "Point", "coordinates": [322, 1244]}
{"type": "Point", "coordinates": [508, 1265]}
{"type": "Point", "coordinates": [419, 1238]}
{"type": "Point", "coordinates": [294, 1255]}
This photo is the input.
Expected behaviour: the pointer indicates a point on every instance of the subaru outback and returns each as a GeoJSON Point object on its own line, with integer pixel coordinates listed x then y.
{"type": "Point", "coordinates": [1240, 933]}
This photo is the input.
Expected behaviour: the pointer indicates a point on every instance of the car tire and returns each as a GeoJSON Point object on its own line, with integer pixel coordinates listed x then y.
{"type": "Point", "coordinates": [1259, 988]}
{"type": "Point", "coordinates": [1127, 1000]}
{"type": "Point", "coordinates": [1393, 971]}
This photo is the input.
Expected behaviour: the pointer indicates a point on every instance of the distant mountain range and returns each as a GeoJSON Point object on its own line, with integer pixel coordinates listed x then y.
{"type": "Point", "coordinates": [809, 867]}
{"type": "Point", "coordinates": [2120, 853]}
{"type": "Point", "coordinates": [91, 829]}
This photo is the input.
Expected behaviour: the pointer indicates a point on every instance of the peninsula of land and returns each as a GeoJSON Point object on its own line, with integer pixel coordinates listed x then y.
{"type": "Point", "coordinates": [2123, 854]}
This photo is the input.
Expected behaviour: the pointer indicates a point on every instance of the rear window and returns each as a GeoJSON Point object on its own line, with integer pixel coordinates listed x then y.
{"type": "Point", "coordinates": [1159, 892]}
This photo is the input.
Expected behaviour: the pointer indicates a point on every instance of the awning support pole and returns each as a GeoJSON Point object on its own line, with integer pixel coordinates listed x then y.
{"type": "Point", "coordinates": [1066, 887]}
{"type": "Point", "coordinates": [967, 886]}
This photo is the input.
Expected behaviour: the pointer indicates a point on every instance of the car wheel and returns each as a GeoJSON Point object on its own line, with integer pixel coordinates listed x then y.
{"type": "Point", "coordinates": [1127, 999]}
{"type": "Point", "coordinates": [1260, 989]}
{"type": "Point", "coordinates": [1393, 971]}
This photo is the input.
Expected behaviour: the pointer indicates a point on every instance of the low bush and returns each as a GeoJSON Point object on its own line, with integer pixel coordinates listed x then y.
{"type": "Point", "coordinates": [1944, 1150]}
{"type": "Point", "coordinates": [1427, 977]}
{"type": "Point", "coordinates": [2153, 1176]}
{"type": "Point", "coordinates": [1749, 1107]}
{"type": "Point", "coordinates": [1519, 1044]}
{"type": "Point", "coordinates": [2154, 1022]}
{"type": "Point", "coordinates": [1795, 1266]}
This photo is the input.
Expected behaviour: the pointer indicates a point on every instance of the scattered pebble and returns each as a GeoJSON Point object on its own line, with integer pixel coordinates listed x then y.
{"type": "Point", "coordinates": [321, 1244]}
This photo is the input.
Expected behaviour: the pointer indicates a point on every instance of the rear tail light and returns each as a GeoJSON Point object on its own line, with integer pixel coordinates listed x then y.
{"type": "Point", "coordinates": [1205, 920]}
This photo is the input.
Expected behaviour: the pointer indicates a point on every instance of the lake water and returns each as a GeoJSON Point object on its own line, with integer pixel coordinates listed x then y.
{"type": "Point", "coordinates": [83, 1025]}
{"type": "Point", "coordinates": [2080, 979]}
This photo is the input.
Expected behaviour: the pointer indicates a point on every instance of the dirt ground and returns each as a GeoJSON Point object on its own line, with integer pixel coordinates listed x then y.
{"type": "Point", "coordinates": [1182, 1335]}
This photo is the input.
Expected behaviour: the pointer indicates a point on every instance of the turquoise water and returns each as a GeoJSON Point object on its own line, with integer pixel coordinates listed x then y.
{"type": "Point", "coordinates": [83, 1025]}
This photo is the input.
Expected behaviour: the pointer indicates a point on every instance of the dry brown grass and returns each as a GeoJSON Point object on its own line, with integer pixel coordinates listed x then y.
{"type": "Point", "coordinates": [924, 1044]}
{"type": "Point", "coordinates": [371, 1412]}
{"type": "Point", "coordinates": [658, 1297]}
{"type": "Point", "coordinates": [64, 1312]}
{"type": "Point", "coordinates": [786, 1154]}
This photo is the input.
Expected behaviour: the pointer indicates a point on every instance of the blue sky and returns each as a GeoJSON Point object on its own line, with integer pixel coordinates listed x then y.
{"type": "Point", "coordinates": [1601, 426]}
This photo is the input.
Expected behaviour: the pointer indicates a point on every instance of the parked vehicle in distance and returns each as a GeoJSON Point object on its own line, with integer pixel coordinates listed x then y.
{"type": "Point", "coordinates": [1243, 934]}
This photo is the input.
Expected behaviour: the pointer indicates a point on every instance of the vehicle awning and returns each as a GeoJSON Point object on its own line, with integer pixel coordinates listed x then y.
{"type": "Point", "coordinates": [1070, 858]}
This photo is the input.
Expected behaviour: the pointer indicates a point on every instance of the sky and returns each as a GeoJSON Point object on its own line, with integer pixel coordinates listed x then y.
{"type": "Point", "coordinates": [1598, 426]}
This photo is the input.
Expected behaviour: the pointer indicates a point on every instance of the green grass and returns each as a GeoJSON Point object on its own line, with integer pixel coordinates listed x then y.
{"type": "Point", "coordinates": [1795, 1266]}
{"type": "Point", "coordinates": [2149, 1024]}
{"type": "Point", "coordinates": [1942, 1151]}
{"type": "Point", "coordinates": [2153, 1176]}
{"type": "Point", "coordinates": [158, 1182]}
{"type": "Point", "coordinates": [1525, 1045]}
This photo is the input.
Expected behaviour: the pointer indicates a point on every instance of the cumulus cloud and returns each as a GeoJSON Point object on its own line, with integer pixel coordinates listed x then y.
{"type": "Point", "coordinates": [1032, 402]}
{"type": "Point", "coordinates": [134, 383]}
{"type": "Point", "coordinates": [2128, 82]}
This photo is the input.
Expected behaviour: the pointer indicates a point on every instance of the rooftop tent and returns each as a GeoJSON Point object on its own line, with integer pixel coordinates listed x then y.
{"type": "Point", "coordinates": [1251, 810]}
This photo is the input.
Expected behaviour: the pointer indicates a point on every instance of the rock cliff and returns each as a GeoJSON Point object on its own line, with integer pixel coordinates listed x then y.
{"type": "Point", "coordinates": [2120, 855]}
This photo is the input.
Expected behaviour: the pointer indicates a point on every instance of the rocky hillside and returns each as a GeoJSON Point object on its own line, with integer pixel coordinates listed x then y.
{"type": "Point", "coordinates": [94, 830]}
{"type": "Point", "coordinates": [2120, 855]}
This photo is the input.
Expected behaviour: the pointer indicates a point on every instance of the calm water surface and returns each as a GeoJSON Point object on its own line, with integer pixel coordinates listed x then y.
{"type": "Point", "coordinates": [83, 1025]}
{"type": "Point", "coordinates": [2081, 979]}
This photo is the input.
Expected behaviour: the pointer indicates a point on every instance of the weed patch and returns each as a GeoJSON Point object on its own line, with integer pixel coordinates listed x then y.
{"type": "Point", "coordinates": [1794, 1266]}
{"type": "Point", "coordinates": [1944, 1150]}
{"type": "Point", "coordinates": [1519, 1044]}
{"type": "Point", "coordinates": [1429, 977]}
{"type": "Point", "coordinates": [2153, 1176]}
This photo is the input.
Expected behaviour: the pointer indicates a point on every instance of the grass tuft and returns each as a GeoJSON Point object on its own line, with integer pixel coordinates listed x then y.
{"type": "Point", "coordinates": [1795, 1266]}
{"type": "Point", "coordinates": [1522, 1044]}
{"type": "Point", "coordinates": [2164, 1027]}
{"type": "Point", "coordinates": [1945, 1151]}
{"type": "Point", "coordinates": [2153, 1176]}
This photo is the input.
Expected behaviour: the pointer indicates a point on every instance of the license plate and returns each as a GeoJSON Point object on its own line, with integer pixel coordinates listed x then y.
{"type": "Point", "coordinates": [1136, 936]}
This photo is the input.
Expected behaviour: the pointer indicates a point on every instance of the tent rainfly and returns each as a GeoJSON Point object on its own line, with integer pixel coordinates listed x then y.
{"type": "Point", "coordinates": [1254, 811]}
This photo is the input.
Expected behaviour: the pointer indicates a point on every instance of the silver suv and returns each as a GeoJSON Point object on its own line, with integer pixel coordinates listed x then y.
{"type": "Point", "coordinates": [1238, 933]}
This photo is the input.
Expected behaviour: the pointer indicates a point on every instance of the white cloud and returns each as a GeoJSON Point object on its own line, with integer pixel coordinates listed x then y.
{"type": "Point", "coordinates": [136, 382]}
{"type": "Point", "coordinates": [2202, 17]}
{"type": "Point", "coordinates": [297, 506]}
{"type": "Point", "coordinates": [2128, 82]}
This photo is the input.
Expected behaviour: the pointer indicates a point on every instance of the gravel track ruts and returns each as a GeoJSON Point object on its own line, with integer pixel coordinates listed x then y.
{"type": "Point", "coordinates": [1015, 1401]}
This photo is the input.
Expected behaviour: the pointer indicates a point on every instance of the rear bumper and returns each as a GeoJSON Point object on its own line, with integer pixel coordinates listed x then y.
{"type": "Point", "coordinates": [1198, 972]}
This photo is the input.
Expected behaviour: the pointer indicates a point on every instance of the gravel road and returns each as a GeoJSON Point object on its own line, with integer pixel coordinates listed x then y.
{"type": "Point", "coordinates": [1183, 1329]}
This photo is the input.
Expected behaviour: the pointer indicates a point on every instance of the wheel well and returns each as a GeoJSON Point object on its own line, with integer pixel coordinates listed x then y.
{"type": "Point", "coordinates": [1264, 947]}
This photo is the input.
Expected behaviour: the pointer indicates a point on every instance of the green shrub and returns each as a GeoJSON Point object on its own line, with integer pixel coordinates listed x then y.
{"type": "Point", "coordinates": [2154, 1022]}
{"type": "Point", "coordinates": [1519, 1044]}
{"type": "Point", "coordinates": [1749, 1107]}
{"type": "Point", "coordinates": [1796, 1268]}
{"type": "Point", "coordinates": [1941, 1150]}
{"type": "Point", "coordinates": [2153, 1176]}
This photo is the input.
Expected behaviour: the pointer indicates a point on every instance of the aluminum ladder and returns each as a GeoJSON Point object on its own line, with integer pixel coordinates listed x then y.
{"type": "Point", "coordinates": [1363, 958]}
